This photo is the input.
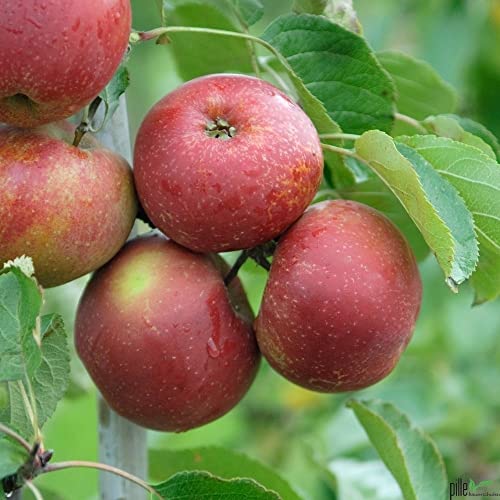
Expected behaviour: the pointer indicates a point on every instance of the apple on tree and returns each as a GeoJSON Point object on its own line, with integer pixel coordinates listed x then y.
{"type": "Point", "coordinates": [55, 57]}
{"type": "Point", "coordinates": [70, 209]}
{"type": "Point", "coordinates": [167, 344]}
{"type": "Point", "coordinates": [342, 299]}
{"type": "Point", "coordinates": [226, 162]}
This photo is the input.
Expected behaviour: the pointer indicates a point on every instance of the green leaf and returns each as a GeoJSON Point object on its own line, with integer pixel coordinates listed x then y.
{"type": "Point", "coordinates": [444, 126]}
{"type": "Point", "coordinates": [338, 68]}
{"type": "Point", "coordinates": [48, 383]}
{"type": "Point", "coordinates": [368, 480]}
{"type": "Point", "coordinates": [478, 130]}
{"type": "Point", "coordinates": [20, 302]}
{"type": "Point", "coordinates": [12, 456]}
{"type": "Point", "coordinates": [420, 90]}
{"type": "Point", "coordinates": [342, 12]}
{"type": "Point", "coordinates": [114, 90]}
{"type": "Point", "coordinates": [309, 6]}
{"type": "Point", "coordinates": [249, 11]}
{"type": "Point", "coordinates": [375, 193]}
{"type": "Point", "coordinates": [186, 485]}
{"type": "Point", "coordinates": [477, 178]}
{"type": "Point", "coordinates": [482, 484]}
{"type": "Point", "coordinates": [199, 54]}
{"type": "Point", "coordinates": [410, 455]}
{"type": "Point", "coordinates": [433, 204]}
{"type": "Point", "coordinates": [336, 172]}
{"type": "Point", "coordinates": [223, 463]}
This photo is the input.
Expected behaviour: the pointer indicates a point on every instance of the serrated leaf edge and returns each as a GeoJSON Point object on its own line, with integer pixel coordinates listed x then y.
{"type": "Point", "coordinates": [350, 404]}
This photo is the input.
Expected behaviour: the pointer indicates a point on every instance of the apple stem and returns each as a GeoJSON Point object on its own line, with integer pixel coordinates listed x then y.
{"type": "Point", "coordinates": [144, 217]}
{"type": "Point", "coordinates": [258, 254]}
{"type": "Point", "coordinates": [104, 467]}
{"type": "Point", "coordinates": [233, 272]}
{"type": "Point", "coordinates": [86, 123]}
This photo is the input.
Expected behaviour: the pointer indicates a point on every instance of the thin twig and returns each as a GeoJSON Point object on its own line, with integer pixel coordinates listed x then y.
{"type": "Point", "coordinates": [14, 435]}
{"type": "Point", "coordinates": [104, 467]}
{"type": "Point", "coordinates": [410, 121]}
{"type": "Point", "coordinates": [341, 136]}
{"type": "Point", "coordinates": [36, 492]}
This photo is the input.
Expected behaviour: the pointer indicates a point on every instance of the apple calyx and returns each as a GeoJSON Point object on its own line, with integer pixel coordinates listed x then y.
{"type": "Point", "coordinates": [220, 129]}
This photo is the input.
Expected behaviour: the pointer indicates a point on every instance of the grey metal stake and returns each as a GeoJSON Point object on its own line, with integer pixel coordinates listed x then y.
{"type": "Point", "coordinates": [121, 443]}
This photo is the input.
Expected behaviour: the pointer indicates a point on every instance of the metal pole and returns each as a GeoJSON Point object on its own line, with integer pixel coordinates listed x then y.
{"type": "Point", "coordinates": [121, 443]}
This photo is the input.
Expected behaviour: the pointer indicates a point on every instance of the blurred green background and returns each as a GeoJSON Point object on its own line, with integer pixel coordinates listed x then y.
{"type": "Point", "coordinates": [448, 380]}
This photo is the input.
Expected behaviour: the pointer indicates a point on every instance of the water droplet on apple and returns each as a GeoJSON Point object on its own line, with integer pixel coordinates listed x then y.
{"type": "Point", "coordinates": [212, 348]}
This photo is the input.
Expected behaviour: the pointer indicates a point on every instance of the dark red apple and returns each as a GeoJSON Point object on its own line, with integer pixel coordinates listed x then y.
{"type": "Point", "coordinates": [342, 299]}
{"type": "Point", "coordinates": [56, 56]}
{"type": "Point", "coordinates": [70, 209]}
{"type": "Point", "coordinates": [226, 162]}
{"type": "Point", "coordinates": [164, 341]}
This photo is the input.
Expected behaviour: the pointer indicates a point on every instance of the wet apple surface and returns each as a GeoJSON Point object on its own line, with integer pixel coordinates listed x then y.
{"type": "Point", "coordinates": [342, 299]}
{"type": "Point", "coordinates": [167, 344]}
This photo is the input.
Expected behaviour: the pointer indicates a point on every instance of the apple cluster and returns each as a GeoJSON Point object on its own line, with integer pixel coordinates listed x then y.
{"type": "Point", "coordinates": [223, 163]}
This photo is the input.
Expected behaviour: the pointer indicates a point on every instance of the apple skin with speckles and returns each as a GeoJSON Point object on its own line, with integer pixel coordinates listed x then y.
{"type": "Point", "coordinates": [342, 299]}
{"type": "Point", "coordinates": [167, 344]}
{"type": "Point", "coordinates": [55, 56]}
{"type": "Point", "coordinates": [70, 209]}
{"type": "Point", "coordinates": [226, 162]}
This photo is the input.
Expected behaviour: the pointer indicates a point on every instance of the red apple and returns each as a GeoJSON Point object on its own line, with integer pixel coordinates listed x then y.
{"type": "Point", "coordinates": [56, 56]}
{"type": "Point", "coordinates": [226, 162]}
{"type": "Point", "coordinates": [70, 209]}
{"type": "Point", "coordinates": [342, 299]}
{"type": "Point", "coordinates": [162, 341]}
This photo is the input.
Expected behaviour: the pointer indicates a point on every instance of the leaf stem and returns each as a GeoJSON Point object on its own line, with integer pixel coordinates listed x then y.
{"type": "Point", "coordinates": [327, 194]}
{"type": "Point", "coordinates": [14, 435]}
{"type": "Point", "coordinates": [36, 492]}
{"type": "Point", "coordinates": [342, 151]}
{"type": "Point", "coordinates": [341, 136]}
{"type": "Point", "coordinates": [104, 467]}
{"type": "Point", "coordinates": [264, 63]}
{"type": "Point", "coordinates": [140, 36]}
{"type": "Point", "coordinates": [250, 45]}
{"type": "Point", "coordinates": [410, 121]}
{"type": "Point", "coordinates": [30, 407]}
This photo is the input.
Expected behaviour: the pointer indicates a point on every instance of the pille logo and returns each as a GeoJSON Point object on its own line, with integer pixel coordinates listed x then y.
{"type": "Point", "coordinates": [461, 488]}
